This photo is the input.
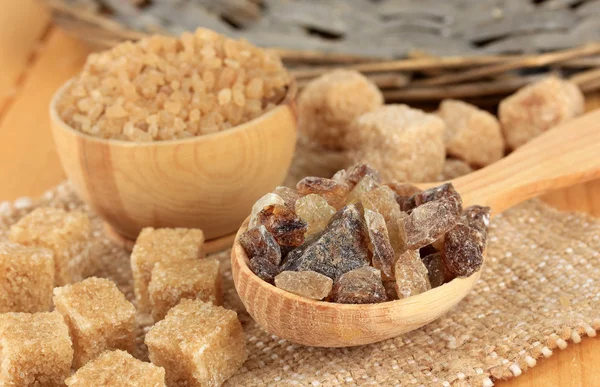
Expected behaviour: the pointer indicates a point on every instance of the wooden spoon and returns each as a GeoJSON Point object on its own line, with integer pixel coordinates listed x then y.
{"type": "Point", "coordinates": [566, 155]}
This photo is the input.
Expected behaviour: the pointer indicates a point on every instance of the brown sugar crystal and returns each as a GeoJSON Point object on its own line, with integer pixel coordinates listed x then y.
{"type": "Point", "coordinates": [262, 203]}
{"type": "Point", "coordinates": [198, 344]}
{"type": "Point", "coordinates": [357, 172]}
{"type": "Point", "coordinates": [428, 222]}
{"type": "Point", "coordinates": [315, 211]}
{"type": "Point", "coordinates": [435, 269]}
{"type": "Point", "coordinates": [285, 226]}
{"type": "Point", "coordinates": [258, 242]}
{"type": "Point", "coordinates": [411, 275]}
{"type": "Point", "coordinates": [335, 192]}
{"type": "Point", "coordinates": [35, 349]}
{"type": "Point", "coordinates": [264, 269]}
{"type": "Point", "coordinates": [66, 234]}
{"type": "Point", "coordinates": [307, 284]}
{"type": "Point", "coordinates": [27, 278]}
{"type": "Point", "coordinates": [165, 88]}
{"type": "Point", "coordinates": [383, 253]}
{"type": "Point", "coordinates": [173, 281]}
{"type": "Point", "coordinates": [117, 368]}
{"type": "Point", "coordinates": [359, 286]}
{"type": "Point", "coordinates": [99, 318]}
{"type": "Point", "coordinates": [463, 250]}
{"type": "Point", "coordinates": [161, 245]}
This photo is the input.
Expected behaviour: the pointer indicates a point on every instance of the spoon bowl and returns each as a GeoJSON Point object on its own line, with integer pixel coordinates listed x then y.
{"type": "Point", "coordinates": [566, 155]}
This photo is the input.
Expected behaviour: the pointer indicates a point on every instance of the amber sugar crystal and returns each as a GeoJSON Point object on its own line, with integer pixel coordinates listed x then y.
{"type": "Point", "coordinates": [99, 318]}
{"type": "Point", "coordinates": [35, 349]}
{"type": "Point", "coordinates": [66, 234]}
{"type": "Point", "coordinates": [27, 278]}
{"type": "Point", "coordinates": [173, 281]}
{"type": "Point", "coordinates": [308, 284]}
{"type": "Point", "coordinates": [117, 368]}
{"type": "Point", "coordinates": [198, 344]}
{"type": "Point", "coordinates": [161, 245]}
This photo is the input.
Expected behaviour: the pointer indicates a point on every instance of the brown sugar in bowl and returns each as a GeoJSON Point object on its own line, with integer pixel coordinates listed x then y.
{"type": "Point", "coordinates": [209, 181]}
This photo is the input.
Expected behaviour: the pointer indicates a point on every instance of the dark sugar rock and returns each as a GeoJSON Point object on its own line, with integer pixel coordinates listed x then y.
{"type": "Point", "coordinates": [341, 247]}
{"type": "Point", "coordinates": [334, 191]}
{"type": "Point", "coordinates": [463, 250]}
{"type": "Point", "coordinates": [428, 222]}
{"type": "Point", "coordinates": [359, 286]}
{"type": "Point", "coordinates": [264, 269]}
{"type": "Point", "coordinates": [355, 173]}
{"type": "Point", "coordinates": [477, 217]}
{"type": "Point", "coordinates": [443, 192]}
{"type": "Point", "coordinates": [287, 228]}
{"type": "Point", "coordinates": [258, 242]}
{"type": "Point", "coordinates": [435, 269]}
{"type": "Point", "coordinates": [383, 253]}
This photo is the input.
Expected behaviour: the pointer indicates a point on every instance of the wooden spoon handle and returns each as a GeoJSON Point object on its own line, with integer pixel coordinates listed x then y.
{"type": "Point", "coordinates": [565, 155]}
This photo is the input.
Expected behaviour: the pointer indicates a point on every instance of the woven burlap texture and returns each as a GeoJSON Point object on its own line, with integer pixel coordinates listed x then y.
{"type": "Point", "coordinates": [539, 289]}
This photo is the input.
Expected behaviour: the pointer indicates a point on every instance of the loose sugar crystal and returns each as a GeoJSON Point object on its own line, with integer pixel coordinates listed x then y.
{"type": "Point", "coordinates": [258, 242]}
{"type": "Point", "coordinates": [193, 278]}
{"type": "Point", "coordinates": [404, 144]}
{"type": "Point", "coordinates": [365, 185]}
{"type": "Point", "coordinates": [383, 253]}
{"type": "Point", "coordinates": [442, 192]}
{"type": "Point", "coordinates": [359, 286]}
{"type": "Point", "coordinates": [538, 107]}
{"type": "Point", "coordinates": [307, 284]}
{"type": "Point", "coordinates": [35, 349]}
{"type": "Point", "coordinates": [262, 203]}
{"type": "Point", "coordinates": [66, 234]}
{"type": "Point", "coordinates": [454, 168]}
{"type": "Point", "coordinates": [357, 172]}
{"type": "Point", "coordinates": [117, 368]}
{"type": "Point", "coordinates": [283, 224]}
{"type": "Point", "coordinates": [463, 250]}
{"type": "Point", "coordinates": [435, 269]}
{"type": "Point", "coordinates": [264, 269]}
{"type": "Point", "coordinates": [428, 222]}
{"type": "Point", "coordinates": [161, 245]}
{"type": "Point", "coordinates": [27, 278]}
{"type": "Point", "coordinates": [328, 104]}
{"type": "Point", "coordinates": [315, 211]}
{"type": "Point", "coordinates": [341, 247]}
{"type": "Point", "coordinates": [335, 192]}
{"type": "Point", "coordinates": [383, 200]}
{"type": "Point", "coordinates": [289, 196]}
{"type": "Point", "coordinates": [472, 134]}
{"type": "Point", "coordinates": [477, 217]}
{"type": "Point", "coordinates": [99, 318]}
{"type": "Point", "coordinates": [198, 344]}
{"type": "Point", "coordinates": [411, 275]}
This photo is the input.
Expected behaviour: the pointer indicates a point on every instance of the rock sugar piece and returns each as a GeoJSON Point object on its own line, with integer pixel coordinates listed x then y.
{"type": "Point", "coordinates": [35, 349]}
{"type": "Point", "coordinates": [335, 192]}
{"type": "Point", "coordinates": [365, 185]}
{"type": "Point", "coordinates": [390, 290]}
{"type": "Point", "coordinates": [454, 168]}
{"type": "Point", "coordinates": [383, 253]}
{"type": "Point", "coordinates": [198, 344]}
{"type": "Point", "coordinates": [307, 284]}
{"type": "Point", "coordinates": [27, 278]}
{"type": "Point", "coordinates": [66, 234]}
{"type": "Point", "coordinates": [538, 107]}
{"type": "Point", "coordinates": [328, 104]}
{"type": "Point", "coordinates": [477, 217]}
{"type": "Point", "coordinates": [285, 226]}
{"type": "Point", "coordinates": [289, 196]}
{"type": "Point", "coordinates": [315, 211]}
{"type": "Point", "coordinates": [161, 245]}
{"type": "Point", "coordinates": [411, 275]}
{"type": "Point", "coordinates": [435, 269]}
{"type": "Point", "coordinates": [262, 203]}
{"type": "Point", "coordinates": [463, 250]}
{"type": "Point", "coordinates": [264, 269]}
{"type": "Point", "coordinates": [471, 134]}
{"type": "Point", "coordinates": [117, 368]}
{"type": "Point", "coordinates": [445, 191]}
{"type": "Point", "coordinates": [258, 242]}
{"type": "Point", "coordinates": [341, 247]}
{"type": "Point", "coordinates": [193, 278]}
{"type": "Point", "coordinates": [359, 286]}
{"type": "Point", "coordinates": [383, 200]}
{"type": "Point", "coordinates": [99, 318]}
{"type": "Point", "coordinates": [404, 144]}
{"type": "Point", "coordinates": [357, 172]}
{"type": "Point", "coordinates": [428, 222]}
{"type": "Point", "coordinates": [404, 192]}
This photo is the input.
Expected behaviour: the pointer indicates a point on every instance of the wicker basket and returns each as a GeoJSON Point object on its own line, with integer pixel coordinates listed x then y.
{"type": "Point", "coordinates": [418, 78]}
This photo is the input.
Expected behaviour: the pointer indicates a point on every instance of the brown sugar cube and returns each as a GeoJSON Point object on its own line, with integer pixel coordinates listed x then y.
{"type": "Point", "coordinates": [328, 104]}
{"type": "Point", "coordinates": [538, 107]}
{"type": "Point", "coordinates": [402, 143]}
{"type": "Point", "coordinates": [198, 344]}
{"type": "Point", "coordinates": [27, 278]}
{"type": "Point", "coordinates": [35, 349]}
{"type": "Point", "coordinates": [161, 245]}
{"type": "Point", "coordinates": [65, 233]}
{"type": "Point", "coordinates": [117, 368]}
{"type": "Point", "coordinates": [173, 281]}
{"type": "Point", "coordinates": [454, 168]}
{"type": "Point", "coordinates": [471, 134]}
{"type": "Point", "coordinates": [99, 318]}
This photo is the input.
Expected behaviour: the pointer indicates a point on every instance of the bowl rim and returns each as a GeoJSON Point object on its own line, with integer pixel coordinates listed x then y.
{"type": "Point", "coordinates": [288, 100]}
{"type": "Point", "coordinates": [239, 254]}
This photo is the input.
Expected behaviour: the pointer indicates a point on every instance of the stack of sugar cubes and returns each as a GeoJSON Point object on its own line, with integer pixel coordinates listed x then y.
{"type": "Point", "coordinates": [89, 337]}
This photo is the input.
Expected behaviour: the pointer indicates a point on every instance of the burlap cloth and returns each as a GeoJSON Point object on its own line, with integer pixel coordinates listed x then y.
{"type": "Point", "coordinates": [539, 289]}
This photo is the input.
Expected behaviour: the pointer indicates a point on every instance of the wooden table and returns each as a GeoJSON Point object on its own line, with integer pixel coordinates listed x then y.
{"type": "Point", "coordinates": [36, 58]}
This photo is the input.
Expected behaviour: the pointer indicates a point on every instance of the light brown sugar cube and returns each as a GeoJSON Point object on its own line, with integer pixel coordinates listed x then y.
{"type": "Point", "coordinates": [65, 233]}
{"type": "Point", "coordinates": [193, 279]}
{"type": "Point", "coordinates": [27, 278]}
{"type": "Point", "coordinates": [117, 369]}
{"type": "Point", "coordinates": [99, 318]}
{"type": "Point", "coordinates": [35, 349]}
{"type": "Point", "coordinates": [198, 344]}
{"type": "Point", "coordinates": [161, 245]}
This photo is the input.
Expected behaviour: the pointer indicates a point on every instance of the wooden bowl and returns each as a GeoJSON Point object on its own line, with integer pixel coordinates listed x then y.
{"type": "Point", "coordinates": [561, 157]}
{"type": "Point", "coordinates": [208, 182]}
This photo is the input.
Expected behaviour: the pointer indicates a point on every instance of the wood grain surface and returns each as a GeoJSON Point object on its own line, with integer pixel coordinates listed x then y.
{"type": "Point", "coordinates": [29, 163]}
